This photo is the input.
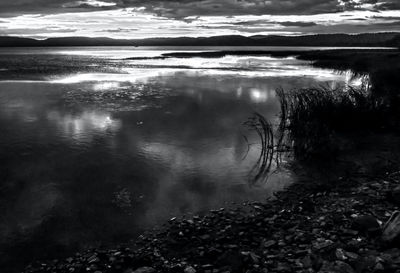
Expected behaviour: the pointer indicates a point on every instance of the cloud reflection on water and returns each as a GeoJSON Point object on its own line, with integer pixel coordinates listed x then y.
{"type": "Point", "coordinates": [143, 70]}
{"type": "Point", "coordinates": [83, 126]}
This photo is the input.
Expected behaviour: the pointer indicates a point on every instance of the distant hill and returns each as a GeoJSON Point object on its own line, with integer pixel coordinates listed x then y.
{"type": "Point", "coordinates": [395, 42]}
{"type": "Point", "coordinates": [332, 40]}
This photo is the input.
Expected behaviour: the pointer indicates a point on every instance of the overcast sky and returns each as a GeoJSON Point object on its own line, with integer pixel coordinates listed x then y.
{"type": "Point", "coordinates": [169, 18]}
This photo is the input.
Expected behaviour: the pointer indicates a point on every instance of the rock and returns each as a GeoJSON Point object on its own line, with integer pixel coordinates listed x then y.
{"type": "Point", "coordinates": [145, 269]}
{"type": "Point", "coordinates": [205, 237]}
{"type": "Point", "coordinates": [395, 195]}
{"type": "Point", "coordinates": [350, 232]}
{"type": "Point", "coordinates": [283, 267]}
{"type": "Point", "coordinates": [323, 245]}
{"type": "Point", "coordinates": [269, 243]}
{"type": "Point", "coordinates": [379, 267]}
{"type": "Point", "coordinates": [336, 267]}
{"type": "Point", "coordinates": [343, 267]}
{"type": "Point", "coordinates": [340, 255]}
{"type": "Point", "coordinates": [351, 255]}
{"type": "Point", "coordinates": [93, 259]}
{"type": "Point", "coordinates": [391, 229]}
{"type": "Point", "coordinates": [189, 269]}
{"type": "Point", "coordinates": [306, 261]}
{"type": "Point", "coordinates": [366, 224]}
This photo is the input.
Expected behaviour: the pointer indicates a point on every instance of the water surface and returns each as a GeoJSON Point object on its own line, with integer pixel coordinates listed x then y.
{"type": "Point", "coordinates": [95, 148]}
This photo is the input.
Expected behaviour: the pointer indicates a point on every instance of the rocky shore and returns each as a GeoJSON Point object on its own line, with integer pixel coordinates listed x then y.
{"type": "Point", "coordinates": [335, 226]}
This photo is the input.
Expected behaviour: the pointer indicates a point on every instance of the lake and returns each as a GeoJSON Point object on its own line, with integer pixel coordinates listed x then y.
{"type": "Point", "coordinates": [96, 148]}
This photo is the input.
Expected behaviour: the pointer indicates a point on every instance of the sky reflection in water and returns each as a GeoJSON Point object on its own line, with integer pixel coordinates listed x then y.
{"type": "Point", "coordinates": [94, 157]}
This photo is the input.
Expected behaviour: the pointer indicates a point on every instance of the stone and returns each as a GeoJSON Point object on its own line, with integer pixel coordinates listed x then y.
{"type": "Point", "coordinates": [343, 267]}
{"type": "Point", "coordinates": [366, 224]}
{"type": "Point", "coordinates": [395, 195]}
{"type": "Point", "coordinates": [323, 245]}
{"type": "Point", "coordinates": [145, 269]}
{"type": "Point", "coordinates": [189, 269]}
{"type": "Point", "coordinates": [391, 229]}
{"type": "Point", "coordinates": [340, 255]}
{"type": "Point", "coordinates": [379, 267]}
{"type": "Point", "coordinates": [269, 243]}
{"type": "Point", "coordinates": [336, 267]}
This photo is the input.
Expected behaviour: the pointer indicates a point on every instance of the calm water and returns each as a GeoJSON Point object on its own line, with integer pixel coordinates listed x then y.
{"type": "Point", "coordinates": [95, 148]}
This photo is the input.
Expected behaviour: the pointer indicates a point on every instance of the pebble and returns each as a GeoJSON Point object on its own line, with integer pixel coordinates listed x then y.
{"type": "Point", "coordinates": [331, 233]}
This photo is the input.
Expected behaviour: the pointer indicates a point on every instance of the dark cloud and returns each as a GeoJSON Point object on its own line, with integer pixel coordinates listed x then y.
{"type": "Point", "coordinates": [119, 30]}
{"type": "Point", "coordinates": [271, 23]}
{"type": "Point", "coordinates": [390, 5]}
{"type": "Point", "coordinates": [297, 24]}
{"type": "Point", "coordinates": [19, 7]}
{"type": "Point", "coordinates": [22, 31]}
{"type": "Point", "coordinates": [358, 19]}
{"type": "Point", "coordinates": [386, 18]}
{"type": "Point", "coordinates": [350, 28]}
{"type": "Point", "coordinates": [391, 24]}
{"type": "Point", "coordinates": [180, 9]}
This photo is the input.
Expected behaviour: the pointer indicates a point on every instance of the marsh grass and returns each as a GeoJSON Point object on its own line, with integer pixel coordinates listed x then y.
{"type": "Point", "coordinates": [264, 130]}
{"type": "Point", "coordinates": [273, 146]}
{"type": "Point", "coordinates": [317, 117]}
{"type": "Point", "coordinates": [314, 124]}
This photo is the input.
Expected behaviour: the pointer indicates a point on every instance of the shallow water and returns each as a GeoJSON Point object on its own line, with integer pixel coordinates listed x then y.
{"type": "Point", "coordinates": [94, 148]}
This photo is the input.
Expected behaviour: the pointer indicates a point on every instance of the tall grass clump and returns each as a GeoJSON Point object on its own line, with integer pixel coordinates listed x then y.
{"type": "Point", "coordinates": [315, 117]}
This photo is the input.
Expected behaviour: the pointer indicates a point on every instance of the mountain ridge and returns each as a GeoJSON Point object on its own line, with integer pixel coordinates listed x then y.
{"type": "Point", "coordinates": [331, 40]}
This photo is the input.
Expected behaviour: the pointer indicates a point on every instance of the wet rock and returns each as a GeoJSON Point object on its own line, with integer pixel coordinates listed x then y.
{"type": "Point", "coordinates": [145, 269]}
{"type": "Point", "coordinates": [336, 267]}
{"type": "Point", "coordinates": [340, 254]}
{"type": "Point", "coordinates": [394, 195]}
{"type": "Point", "coordinates": [391, 229]}
{"type": "Point", "coordinates": [233, 259]}
{"type": "Point", "coordinates": [189, 269]}
{"type": "Point", "coordinates": [269, 243]}
{"type": "Point", "coordinates": [366, 224]}
{"type": "Point", "coordinates": [283, 267]}
{"type": "Point", "coordinates": [379, 267]}
{"type": "Point", "coordinates": [306, 262]}
{"type": "Point", "coordinates": [323, 245]}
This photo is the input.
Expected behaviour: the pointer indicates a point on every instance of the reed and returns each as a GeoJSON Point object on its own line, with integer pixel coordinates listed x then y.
{"type": "Point", "coordinates": [316, 116]}
{"type": "Point", "coordinates": [314, 123]}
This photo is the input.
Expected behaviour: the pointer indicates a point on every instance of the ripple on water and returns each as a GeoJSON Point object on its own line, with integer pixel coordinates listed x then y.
{"type": "Point", "coordinates": [115, 96]}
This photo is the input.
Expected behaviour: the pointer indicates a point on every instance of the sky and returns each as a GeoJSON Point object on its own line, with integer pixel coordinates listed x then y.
{"type": "Point", "coordinates": [137, 19]}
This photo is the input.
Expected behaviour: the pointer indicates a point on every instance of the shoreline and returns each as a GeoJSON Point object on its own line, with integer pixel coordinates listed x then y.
{"type": "Point", "coordinates": [309, 227]}
{"type": "Point", "coordinates": [282, 53]}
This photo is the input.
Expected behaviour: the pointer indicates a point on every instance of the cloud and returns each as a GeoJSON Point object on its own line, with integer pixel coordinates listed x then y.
{"type": "Point", "coordinates": [180, 9]}
{"type": "Point", "coordinates": [20, 7]}
{"type": "Point", "coordinates": [184, 8]}
{"type": "Point", "coordinates": [155, 18]}
{"type": "Point", "coordinates": [38, 32]}
{"type": "Point", "coordinates": [119, 30]}
{"type": "Point", "coordinates": [297, 24]}
{"type": "Point", "coordinates": [259, 23]}
{"type": "Point", "coordinates": [89, 3]}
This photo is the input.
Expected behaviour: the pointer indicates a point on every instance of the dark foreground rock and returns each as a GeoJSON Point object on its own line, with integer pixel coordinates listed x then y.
{"type": "Point", "coordinates": [331, 227]}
